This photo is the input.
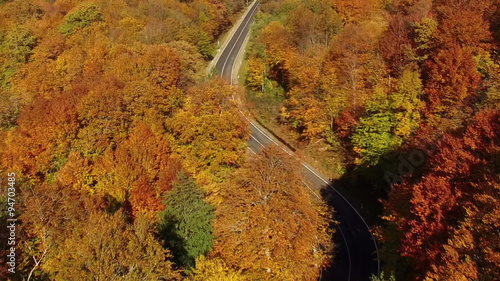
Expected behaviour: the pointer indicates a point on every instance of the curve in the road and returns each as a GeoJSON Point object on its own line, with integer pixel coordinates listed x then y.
{"type": "Point", "coordinates": [357, 238]}
{"type": "Point", "coordinates": [271, 141]}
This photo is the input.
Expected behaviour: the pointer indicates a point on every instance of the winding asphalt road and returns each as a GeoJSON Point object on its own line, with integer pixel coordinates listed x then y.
{"type": "Point", "coordinates": [356, 256]}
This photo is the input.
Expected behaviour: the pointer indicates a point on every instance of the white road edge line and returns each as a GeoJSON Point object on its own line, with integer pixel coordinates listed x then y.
{"type": "Point", "coordinates": [341, 233]}
{"type": "Point", "coordinates": [234, 45]}
{"type": "Point", "coordinates": [355, 210]}
{"type": "Point", "coordinates": [271, 139]}
{"type": "Point", "coordinates": [312, 191]}
{"type": "Point", "coordinates": [329, 185]}
{"type": "Point", "coordinates": [225, 42]}
{"type": "Point", "coordinates": [339, 227]}
{"type": "Point", "coordinates": [257, 141]}
{"type": "Point", "coordinates": [348, 252]}
{"type": "Point", "coordinates": [241, 49]}
{"type": "Point", "coordinates": [238, 55]}
{"type": "Point", "coordinates": [308, 168]}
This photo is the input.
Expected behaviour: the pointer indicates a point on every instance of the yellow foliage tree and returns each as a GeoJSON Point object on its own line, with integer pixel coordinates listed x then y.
{"type": "Point", "coordinates": [267, 225]}
{"type": "Point", "coordinates": [210, 135]}
{"type": "Point", "coordinates": [255, 74]}
{"type": "Point", "coordinates": [214, 269]}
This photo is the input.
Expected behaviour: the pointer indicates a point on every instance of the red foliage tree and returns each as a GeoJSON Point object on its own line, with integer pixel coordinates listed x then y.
{"type": "Point", "coordinates": [449, 224]}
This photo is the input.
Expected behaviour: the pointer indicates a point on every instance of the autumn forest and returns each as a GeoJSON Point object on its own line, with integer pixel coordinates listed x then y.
{"type": "Point", "coordinates": [132, 163]}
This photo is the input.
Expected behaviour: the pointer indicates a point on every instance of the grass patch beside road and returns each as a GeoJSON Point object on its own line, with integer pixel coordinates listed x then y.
{"type": "Point", "coordinates": [242, 74]}
{"type": "Point", "coordinates": [266, 110]}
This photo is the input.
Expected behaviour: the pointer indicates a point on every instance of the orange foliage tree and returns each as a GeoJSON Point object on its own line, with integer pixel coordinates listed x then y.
{"type": "Point", "coordinates": [267, 225]}
{"type": "Point", "coordinates": [452, 77]}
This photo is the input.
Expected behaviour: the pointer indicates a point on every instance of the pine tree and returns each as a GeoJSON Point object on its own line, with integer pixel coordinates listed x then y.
{"type": "Point", "coordinates": [186, 225]}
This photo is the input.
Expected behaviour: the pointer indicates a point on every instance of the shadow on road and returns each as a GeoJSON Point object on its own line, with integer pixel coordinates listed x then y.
{"type": "Point", "coordinates": [355, 255]}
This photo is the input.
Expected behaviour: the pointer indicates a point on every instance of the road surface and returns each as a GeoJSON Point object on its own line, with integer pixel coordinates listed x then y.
{"type": "Point", "coordinates": [227, 63]}
{"type": "Point", "coordinates": [356, 256]}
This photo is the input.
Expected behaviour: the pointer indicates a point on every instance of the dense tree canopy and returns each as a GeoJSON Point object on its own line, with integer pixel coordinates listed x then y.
{"type": "Point", "coordinates": [103, 103]}
{"type": "Point", "coordinates": [376, 84]}
{"type": "Point", "coordinates": [92, 99]}
{"type": "Point", "coordinates": [453, 208]}
{"type": "Point", "coordinates": [186, 225]}
{"type": "Point", "coordinates": [267, 226]}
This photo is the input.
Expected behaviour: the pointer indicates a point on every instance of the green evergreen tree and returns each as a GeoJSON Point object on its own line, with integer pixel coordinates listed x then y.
{"type": "Point", "coordinates": [186, 226]}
